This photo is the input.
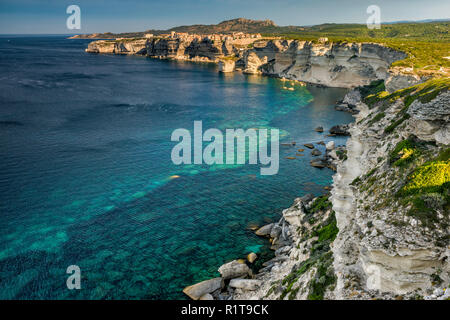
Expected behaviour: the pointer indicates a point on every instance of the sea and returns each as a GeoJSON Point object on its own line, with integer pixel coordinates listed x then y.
{"type": "Point", "coordinates": [86, 176]}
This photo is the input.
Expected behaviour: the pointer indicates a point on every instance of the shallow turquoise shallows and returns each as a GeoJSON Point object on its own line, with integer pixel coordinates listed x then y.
{"type": "Point", "coordinates": [86, 176]}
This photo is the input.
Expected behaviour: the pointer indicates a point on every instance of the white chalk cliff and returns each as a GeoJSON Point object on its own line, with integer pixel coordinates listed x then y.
{"type": "Point", "coordinates": [330, 64]}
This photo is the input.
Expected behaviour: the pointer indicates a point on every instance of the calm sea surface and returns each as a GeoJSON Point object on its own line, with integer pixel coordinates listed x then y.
{"type": "Point", "coordinates": [85, 169]}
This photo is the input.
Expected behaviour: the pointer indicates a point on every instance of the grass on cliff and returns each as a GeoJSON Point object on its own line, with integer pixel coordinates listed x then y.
{"type": "Point", "coordinates": [404, 153]}
{"type": "Point", "coordinates": [375, 96]}
{"type": "Point", "coordinates": [427, 189]}
{"type": "Point", "coordinates": [424, 92]}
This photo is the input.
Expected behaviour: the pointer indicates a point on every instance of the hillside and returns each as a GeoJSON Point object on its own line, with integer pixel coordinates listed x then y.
{"type": "Point", "coordinates": [228, 26]}
{"type": "Point", "coordinates": [432, 31]}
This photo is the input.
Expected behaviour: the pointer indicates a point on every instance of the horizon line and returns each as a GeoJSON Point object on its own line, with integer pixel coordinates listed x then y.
{"type": "Point", "coordinates": [427, 20]}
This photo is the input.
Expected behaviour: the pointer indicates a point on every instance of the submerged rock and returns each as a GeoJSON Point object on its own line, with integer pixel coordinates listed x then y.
{"type": "Point", "coordinates": [318, 163]}
{"type": "Point", "coordinates": [316, 152]}
{"type": "Point", "coordinates": [309, 145]}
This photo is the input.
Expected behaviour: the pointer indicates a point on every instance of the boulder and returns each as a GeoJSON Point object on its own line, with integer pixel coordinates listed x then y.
{"type": "Point", "coordinates": [307, 197]}
{"type": "Point", "coordinates": [330, 145]}
{"type": "Point", "coordinates": [340, 130]}
{"type": "Point", "coordinates": [316, 152]}
{"type": "Point", "coordinates": [347, 108]}
{"type": "Point", "coordinates": [309, 145]}
{"type": "Point", "coordinates": [275, 232]}
{"type": "Point", "coordinates": [251, 257]}
{"type": "Point", "coordinates": [318, 163]}
{"type": "Point", "coordinates": [293, 216]}
{"type": "Point", "coordinates": [206, 297]}
{"type": "Point", "coordinates": [196, 291]}
{"type": "Point", "coordinates": [264, 230]}
{"type": "Point", "coordinates": [319, 129]}
{"type": "Point", "coordinates": [245, 284]}
{"type": "Point", "coordinates": [234, 269]}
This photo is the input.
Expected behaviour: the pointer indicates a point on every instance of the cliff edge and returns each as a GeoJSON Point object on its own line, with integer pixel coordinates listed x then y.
{"type": "Point", "coordinates": [331, 64]}
{"type": "Point", "coordinates": [383, 233]}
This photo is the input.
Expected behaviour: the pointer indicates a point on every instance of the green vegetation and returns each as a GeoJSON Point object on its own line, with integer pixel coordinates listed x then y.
{"type": "Point", "coordinates": [356, 181]}
{"type": "Point", "coordinates": [432, 177]}
{"type": "Point", "coordinates": [424, 92]}
{"type": "Point", "coordinates": [426, 44]}
{"type": "Point", "coordinates": [427, 189]}
{"type": "Point", "coordinates": [371, 172]}
{"type": "Point", "coordinates": [321, 203]}
{"type": "Point", "coordinates": [404, 152]}
{"type": "Point", "coordinates": [370, 91]}
{"type": "Point", "coordinates": [342, 154]}
{"type": "Point", "coordinates": [390, 128]}
{"type": "Point", "coordinates": [328, 232]}
{"type": "Point", "coordinates": [320, 258]}
{"type": "Point", "coordinates": [377, 118]}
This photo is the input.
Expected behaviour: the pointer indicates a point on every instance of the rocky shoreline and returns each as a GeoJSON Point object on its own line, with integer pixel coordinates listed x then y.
{"type": "Point", "coordinates": [382, 231]}
{"type": "Point", "coordinates": [360, 241]}
{"type": "Point", "coordinates": [237, 280]}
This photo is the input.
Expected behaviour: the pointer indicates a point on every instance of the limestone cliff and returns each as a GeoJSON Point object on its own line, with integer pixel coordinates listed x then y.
{"type": "Point", "coordinates": [329, 64]}
{"type": "Point", "coordinates": [132, 46]}
{"type": "Point", "coordinates": [391, 195]}
{"type": "Point", "coordinates": [196, 50]}
{"type": "Point", "coordinates": [384, 231]}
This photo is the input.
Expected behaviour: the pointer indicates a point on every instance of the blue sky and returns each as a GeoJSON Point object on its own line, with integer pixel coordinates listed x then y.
{"type": "Point", "coordinates": [49, 16]}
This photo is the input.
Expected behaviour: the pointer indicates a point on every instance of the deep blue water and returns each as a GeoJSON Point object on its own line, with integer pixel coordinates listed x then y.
{"type": "Point", "coordinates": [85, 169]}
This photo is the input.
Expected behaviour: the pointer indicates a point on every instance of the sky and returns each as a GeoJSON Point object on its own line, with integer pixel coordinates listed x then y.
{"type": "Point", "coordinates": [49, 16]}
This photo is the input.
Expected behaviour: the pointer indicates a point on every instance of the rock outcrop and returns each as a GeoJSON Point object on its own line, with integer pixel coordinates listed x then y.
{"type": "Point", "coordinates": [330, 64]}
{"type": "Point", "coordinates": [226, 66]}
{"type": "Point", "coordinates": [118, 47]}
{"type": "Point", "coordinates": [199, 290]}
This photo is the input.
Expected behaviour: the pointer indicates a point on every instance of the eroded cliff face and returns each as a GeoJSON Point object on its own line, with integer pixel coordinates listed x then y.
{"type": "Point", "coordinates": [384, 231]}
{"type": "Point", "coordinates": [394, 229]}
{"type": "Point", "coordinates": [118, 47]}
{"type": "Point", "coordinates": [330, 64]}
{"type": "Point", "coordinates": [196, 50]}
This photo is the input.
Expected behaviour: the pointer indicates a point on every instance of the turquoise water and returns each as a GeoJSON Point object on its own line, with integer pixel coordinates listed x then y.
{"type": "Point", "coordinates": [86, 176]}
